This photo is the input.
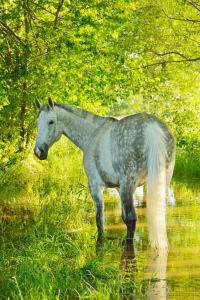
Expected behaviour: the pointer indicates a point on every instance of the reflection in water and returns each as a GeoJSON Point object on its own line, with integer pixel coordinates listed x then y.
{"type": "Point", "coordinates": [157, 266]}
{"type": "Point", "coordinates": [129, 267]}
{"type": "Point", "coordinates": [157, 259]}
{"type": "Point", "coordinates": [128, 259]}
{"type": "Point", "coordinates": [178, 268]}
{"type": "Point", "coordinates": [171, 197]}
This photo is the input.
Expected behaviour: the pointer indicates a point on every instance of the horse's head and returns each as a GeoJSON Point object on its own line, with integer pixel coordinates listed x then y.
{"type": "Point", "coordinates": [48, 129]}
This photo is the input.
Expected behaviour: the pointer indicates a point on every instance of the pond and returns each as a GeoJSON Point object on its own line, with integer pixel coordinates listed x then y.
{"type": "Point", "coordinates": [177, 269]}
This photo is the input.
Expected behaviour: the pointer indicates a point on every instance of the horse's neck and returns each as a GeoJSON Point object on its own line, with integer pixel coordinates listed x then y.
{"type": "Point", "coordinates": [76, 128]}
{"type": "Point", "coordinates": [84, 114]}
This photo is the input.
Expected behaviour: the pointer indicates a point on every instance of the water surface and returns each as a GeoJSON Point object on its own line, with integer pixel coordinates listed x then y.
{"type": "Point", "coordinates": [177, 269]}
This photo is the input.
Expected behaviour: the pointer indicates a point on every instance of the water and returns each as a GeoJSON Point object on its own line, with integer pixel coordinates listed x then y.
{"type": "Point", "coordinates": [177, 269]}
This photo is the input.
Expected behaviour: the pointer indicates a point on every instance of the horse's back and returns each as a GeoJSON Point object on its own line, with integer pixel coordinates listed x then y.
{"type": "Point", "coordinates": [129, 142]}
{"type": "Point", "coordinates": [118, 149]}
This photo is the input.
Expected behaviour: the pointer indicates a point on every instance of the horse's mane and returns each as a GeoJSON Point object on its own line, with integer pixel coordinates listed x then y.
{"type": "Point", "coordinates": [84, 114]}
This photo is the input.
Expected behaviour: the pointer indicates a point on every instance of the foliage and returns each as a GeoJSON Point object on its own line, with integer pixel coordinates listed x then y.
{"type": "Point", "coordinates": [98, 55]}
{"type": "Point", "coordinates": [67, 49]}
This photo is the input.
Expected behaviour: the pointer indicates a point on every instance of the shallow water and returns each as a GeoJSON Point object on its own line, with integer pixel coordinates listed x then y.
{"type": "Point", "coordinates": [177, 269]}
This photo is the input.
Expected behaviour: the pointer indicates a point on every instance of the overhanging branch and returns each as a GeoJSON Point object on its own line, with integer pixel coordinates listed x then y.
{"type": "Point", "coordinates": [13, 33]}
{"type": "Point", "coordinates": [180, 19]}
{"type": "Point", "coordinates": [58, 12]}
{"type": "Point", "coordinates": [168, 62]}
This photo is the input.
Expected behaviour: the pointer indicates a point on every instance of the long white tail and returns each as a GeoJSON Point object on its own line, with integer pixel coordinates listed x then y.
{"type": "Point", "coordinates": [156, 185]}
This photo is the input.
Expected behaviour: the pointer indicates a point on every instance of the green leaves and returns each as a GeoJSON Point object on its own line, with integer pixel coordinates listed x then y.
{"type": "Point", "coordinates": [93, 54]}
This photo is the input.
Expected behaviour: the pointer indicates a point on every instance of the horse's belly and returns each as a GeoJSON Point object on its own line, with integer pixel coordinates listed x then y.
{"type": "Point", "coordinates": [103, 161]}
{"type": "Point", "coordinates": [107, 174]}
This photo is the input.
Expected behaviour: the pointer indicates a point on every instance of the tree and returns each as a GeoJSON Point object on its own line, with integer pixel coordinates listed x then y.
{"type": "Point", "coordinates": [93, 54]}
{"type": "Point", "coordinates": [66, 49]}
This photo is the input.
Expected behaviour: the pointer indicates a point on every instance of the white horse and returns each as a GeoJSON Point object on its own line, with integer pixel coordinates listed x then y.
{"type": "Point", "coordinates": [121, 154]}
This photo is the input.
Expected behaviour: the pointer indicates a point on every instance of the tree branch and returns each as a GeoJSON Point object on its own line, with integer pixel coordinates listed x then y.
{"type": "Point", "coordinates": [167, 62]}
{"type": "Point", "coordinates": [193, 4]}
{"type": "Point", "coordinates": [9, 51]}
{"type": "Point", "coordinates": [13, 33]}
{"type": "Point", "coordinates": [179, 19]}
{"type": "Point", "coordinates": [36, 4]}
{"type": "Point", "coordinates": [168, 53]}
{"type": "Point", "coordinates": [33, 16]}
{"type": "Point", "coordinates": [30, 23]}
{"type": "Point", "coordinates": [58, 12]}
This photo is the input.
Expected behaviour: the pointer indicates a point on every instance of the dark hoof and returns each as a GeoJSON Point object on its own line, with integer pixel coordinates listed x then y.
{"type": "Point", "coordinates": [100, 239]}
{"type": "Point", "coordinates": [100, 245]}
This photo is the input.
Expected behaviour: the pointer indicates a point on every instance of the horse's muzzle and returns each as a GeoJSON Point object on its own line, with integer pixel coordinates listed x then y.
{"type": "Point", "coordinates": [41, 152]}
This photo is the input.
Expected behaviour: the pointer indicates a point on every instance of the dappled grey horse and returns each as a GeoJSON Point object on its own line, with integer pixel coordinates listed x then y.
{"type": "Point", "coordinates": [121, 154]}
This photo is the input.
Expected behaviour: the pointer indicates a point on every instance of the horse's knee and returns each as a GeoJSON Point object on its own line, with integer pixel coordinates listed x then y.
{"type": "Point", "coordinates": [130, 220]}
{"type": "Point", "coordinates": [129, 215]}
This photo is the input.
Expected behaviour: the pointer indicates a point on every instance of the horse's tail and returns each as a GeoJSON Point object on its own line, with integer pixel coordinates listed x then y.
{"type": "Point", "coordinates": [156, 185]}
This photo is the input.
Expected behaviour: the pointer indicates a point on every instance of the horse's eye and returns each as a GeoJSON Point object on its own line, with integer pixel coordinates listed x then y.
{"type": "Point", "coordinates": [51, 122]}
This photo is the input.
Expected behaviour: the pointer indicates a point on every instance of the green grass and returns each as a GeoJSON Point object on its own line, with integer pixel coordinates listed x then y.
{"type": "Point", "coordinates": [48, 248]}
{"type": "Point", "coordinates": [40, 259]}
{"type": "Point", "coordinates": [187, 162]}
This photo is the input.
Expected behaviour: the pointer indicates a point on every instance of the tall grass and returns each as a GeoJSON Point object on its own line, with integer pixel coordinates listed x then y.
{"type": "Point", "coordinates": [187, 163]}
{"type": "Point", "coordinates": [48, 248]}
{"type": "Point", "coordinates": [48, 264]}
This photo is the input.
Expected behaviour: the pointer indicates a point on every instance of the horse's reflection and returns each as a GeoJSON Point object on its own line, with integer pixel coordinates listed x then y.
{"type": "Point", "coordinates": [128, 261]}
{"type": "Point", "coordinates": [156, 266]}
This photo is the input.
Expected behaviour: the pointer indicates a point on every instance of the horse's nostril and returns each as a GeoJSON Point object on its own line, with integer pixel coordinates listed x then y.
{"type": "Point", "coordinates": [38, 152]}
{"type": "Point", "coordinates": [41, 152]}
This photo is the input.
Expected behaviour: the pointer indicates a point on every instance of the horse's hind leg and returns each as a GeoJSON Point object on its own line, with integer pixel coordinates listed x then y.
{"type": "Point", "coordinates": [129, 215]}
{"type": "Point", "coordinates": [96, 192]}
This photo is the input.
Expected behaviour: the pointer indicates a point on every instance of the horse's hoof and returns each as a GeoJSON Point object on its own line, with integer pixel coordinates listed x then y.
{"type": "Point", "coordinates": [100, 239]}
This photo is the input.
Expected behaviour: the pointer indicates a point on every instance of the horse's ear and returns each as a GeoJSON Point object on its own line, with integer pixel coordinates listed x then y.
{"type": "Point", "coordinates": [50, 101]}
{"type": "Point", "coordinates": [37, 103]}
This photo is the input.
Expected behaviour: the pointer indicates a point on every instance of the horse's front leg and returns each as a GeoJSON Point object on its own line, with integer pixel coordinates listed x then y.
{"type": "Point", "coordinates": [96, 192]}
{"type": "Point", "coordinates": [129, 215]}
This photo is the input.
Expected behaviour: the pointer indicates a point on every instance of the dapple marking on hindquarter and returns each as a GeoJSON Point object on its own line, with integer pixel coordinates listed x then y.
{"type": "Point", "coordinates": [120, 154]}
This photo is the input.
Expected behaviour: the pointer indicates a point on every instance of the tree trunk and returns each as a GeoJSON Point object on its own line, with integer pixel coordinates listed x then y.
{"type": "Point", "coordinates": [23, 133]}
{"type": "Point", "coordinates": [23, 129]}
